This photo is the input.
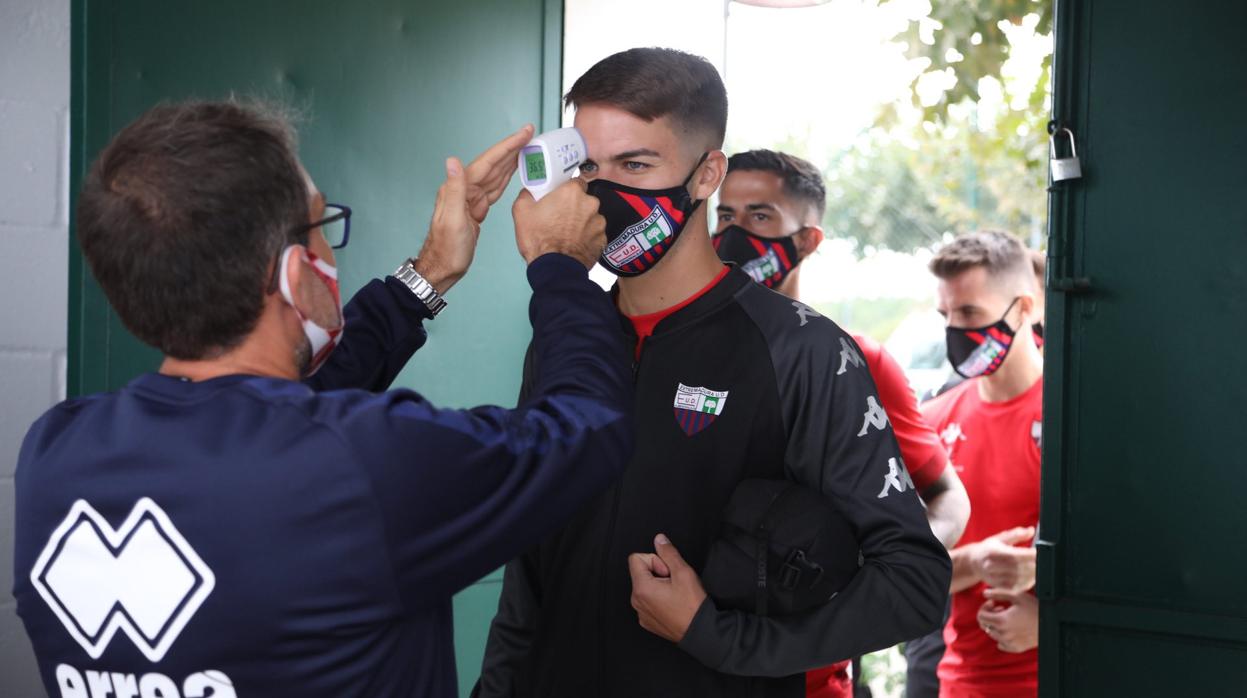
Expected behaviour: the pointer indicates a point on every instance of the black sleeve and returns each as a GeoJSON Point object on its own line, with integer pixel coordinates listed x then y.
{"type": "Point", "coordinates": [514, 626]}
{"type": "Point", "coordinates": [512, 631]}
{"type": "Point", "coordinates": [840, 443]}
{"type": "Point", "coordinates": [384, 327]}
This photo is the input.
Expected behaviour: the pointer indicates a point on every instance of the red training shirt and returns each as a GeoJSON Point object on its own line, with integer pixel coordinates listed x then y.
{"type": "Point", "coordinates": [994, 447]}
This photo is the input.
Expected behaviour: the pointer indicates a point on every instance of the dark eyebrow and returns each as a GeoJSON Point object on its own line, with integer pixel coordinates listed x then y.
{"type": "Point", "coordinates": [639, 152]}
{"type": "Point", "coordinates": [759, 207]}
{"type": "Point", "coordinates": [968, 308]}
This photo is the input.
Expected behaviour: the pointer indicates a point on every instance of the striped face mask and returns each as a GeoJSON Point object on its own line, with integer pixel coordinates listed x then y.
{"type": "Point", "coordinates": [642, 225]}
{"type": "Point", "coordinates": [766, 260]}
{"type": "Point", "coordinates": [979, 351]}
{"type": "Point", "coordinates": [323, 340]}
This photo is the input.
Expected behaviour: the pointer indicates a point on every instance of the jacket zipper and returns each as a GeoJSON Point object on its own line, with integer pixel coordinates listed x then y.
{"type": "Point", "coordinates": [606, 549]}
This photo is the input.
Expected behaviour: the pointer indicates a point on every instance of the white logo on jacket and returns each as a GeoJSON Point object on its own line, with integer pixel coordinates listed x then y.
{"type": "Point", "coordinates": [804, 312]}
{"type": "Point", "coordinates": [698, 399]}
{"type": "Point", "coordinates": [875, 416]}
{"type": "Point", "coordinates": [848, 355]}
{"type": "Point", "coordinates": [100, 683]}
{"type": "Point", "coordinates": [897, 478]}
{"type": "Point", "coordinates": [142, 578]}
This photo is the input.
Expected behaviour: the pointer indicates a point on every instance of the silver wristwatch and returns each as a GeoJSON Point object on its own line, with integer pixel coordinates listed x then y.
{"type": "Point", "coordinates": [421, 287]}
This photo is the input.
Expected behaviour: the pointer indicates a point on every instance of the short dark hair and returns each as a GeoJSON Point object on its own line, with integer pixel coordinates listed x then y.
{"type": "Point", "coordinates": [1006, 260]}
{"type": "Point", "coordinates": [182, 216]}
{"type": "Point", "coordinates": [803, 182]}
{"type": "Point", "coordinates": [651, 83]}
{"type": "Point", "coordinates": [1039, 262]}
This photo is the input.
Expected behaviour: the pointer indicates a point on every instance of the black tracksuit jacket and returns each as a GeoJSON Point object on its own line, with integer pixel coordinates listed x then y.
{"type": "Point", "coordinates": [798, 405]}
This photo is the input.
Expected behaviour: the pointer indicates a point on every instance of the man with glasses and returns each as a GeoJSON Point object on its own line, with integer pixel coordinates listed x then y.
{"type": "Point", "coordinates": [257, 517]}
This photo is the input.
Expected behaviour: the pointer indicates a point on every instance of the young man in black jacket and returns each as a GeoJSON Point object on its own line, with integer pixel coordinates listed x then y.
{"type": "Point", "coordinates": [732, 381]}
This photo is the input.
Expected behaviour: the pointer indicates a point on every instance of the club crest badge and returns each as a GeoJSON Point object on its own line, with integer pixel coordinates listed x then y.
{"type": "Point", "coordinates": [696, 408]}
{"type": "Point", "coordinates": [648, 237]}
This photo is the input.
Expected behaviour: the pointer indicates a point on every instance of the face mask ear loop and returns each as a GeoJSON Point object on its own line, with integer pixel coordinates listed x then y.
{"type": "Point", "coordinates": [689, 178]}
{"type": "Point", "coordinates": [793, 236]}
{"type": "Point", "coordinates": [1005, 317]}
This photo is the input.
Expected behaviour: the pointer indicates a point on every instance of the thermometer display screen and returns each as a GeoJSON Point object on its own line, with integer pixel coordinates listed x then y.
{"type": "Point", "coordinates": [534, 166]}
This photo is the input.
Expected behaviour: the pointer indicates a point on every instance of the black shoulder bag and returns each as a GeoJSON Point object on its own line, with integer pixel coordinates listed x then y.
{"type": "Point", "coordinates": [784, 548]}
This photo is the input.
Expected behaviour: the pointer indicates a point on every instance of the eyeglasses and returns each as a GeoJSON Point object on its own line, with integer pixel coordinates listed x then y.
{"type": "Point", "coordinates": [335, 226]}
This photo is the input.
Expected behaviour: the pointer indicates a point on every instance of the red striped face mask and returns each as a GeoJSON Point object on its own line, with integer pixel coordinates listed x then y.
{"type": "Point", "coordinates": [322, 339]}
{"type": "Point", "coordinates": [979, 351]}
{"type": "Point", "coordinates": [766, 260]}
{"type": "Point", "coordinates": [642, 225]}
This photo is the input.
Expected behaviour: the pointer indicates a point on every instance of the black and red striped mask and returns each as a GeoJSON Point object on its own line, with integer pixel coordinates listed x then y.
{"type": "Point", "coordinates": [642, 225]}
{"type": "Point", "coordinates": [980, 351]}
{"type": "Point", "coordinates": [766, 260]}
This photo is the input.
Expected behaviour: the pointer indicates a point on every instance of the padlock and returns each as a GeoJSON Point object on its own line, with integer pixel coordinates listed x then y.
{"type": "Point", "coordinates": [1064, 168]}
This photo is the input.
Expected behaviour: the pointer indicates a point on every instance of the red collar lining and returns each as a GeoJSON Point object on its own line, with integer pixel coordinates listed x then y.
{"type": "Point", "coordinates": [645, 324]}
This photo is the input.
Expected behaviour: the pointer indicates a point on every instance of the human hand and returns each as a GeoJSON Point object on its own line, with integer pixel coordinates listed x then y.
{"type": "Point", "coordinates": [666, 592]}
{"type": "Point", "coordinates": [1001, 564]}
{"type": "Point", "coordinates": [1011, 618]}
{"type": "Point", "coordinates": [462, 203]}
{"type": "Point", "coordinates": [565, 221]}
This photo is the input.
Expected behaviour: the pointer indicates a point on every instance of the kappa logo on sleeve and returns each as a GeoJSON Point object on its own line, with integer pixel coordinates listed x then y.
{"type": "Point", "coordinates": [849, 356]}
{"type": "Point", "coordinates": [142, 578]}
{"type": "Point", "coordinates": [696, 408]}
{"type": "Point", "coordinates": [875, 416]}
{"type": "Point", "coordinates": [804, 312]}
{"type": "Point", "coordinates": [896, 479]}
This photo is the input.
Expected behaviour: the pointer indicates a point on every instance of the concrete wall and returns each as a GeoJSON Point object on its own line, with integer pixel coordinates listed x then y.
{"type": "Point", "coordinates": [34, 192]}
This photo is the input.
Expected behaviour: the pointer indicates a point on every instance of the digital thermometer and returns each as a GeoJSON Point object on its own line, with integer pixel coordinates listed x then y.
{"type": "Point", "coordinates": [551, 159]}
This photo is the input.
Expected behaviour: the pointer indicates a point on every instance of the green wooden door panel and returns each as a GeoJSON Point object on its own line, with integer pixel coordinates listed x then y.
{"type": "Point", "coordinates": [1104, 663]}
{"type": "Point", "coordinates": [1165, 239]}
{"type": "Point", "coordinates": [1144, 381]}
{"type": "Point", "coordinates": [387, 90]}
{"type": "Point", "coordinates": [474, 609]}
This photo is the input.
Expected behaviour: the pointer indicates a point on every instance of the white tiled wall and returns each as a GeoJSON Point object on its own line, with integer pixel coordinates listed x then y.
{"type": "Point", "coordinates": [34, 192]}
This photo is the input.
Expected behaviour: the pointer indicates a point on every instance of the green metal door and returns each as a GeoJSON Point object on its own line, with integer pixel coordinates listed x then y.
{"type": "Point", "coordinates": [1143, 560]}
{"type": "Point", "coordinates": [390, 88]}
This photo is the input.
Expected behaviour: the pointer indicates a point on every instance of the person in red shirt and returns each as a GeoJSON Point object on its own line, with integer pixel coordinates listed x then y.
{"type": "Point", "coordinates": [1039, 263]}
{"type": "Point", "coordinates": [769, 213]}
{"type": "Point", "coordinates": [991, 425]}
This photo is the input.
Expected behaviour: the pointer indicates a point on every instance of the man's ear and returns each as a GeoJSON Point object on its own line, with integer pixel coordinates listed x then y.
{"type": "Point", "coordinates": [809, 239]}
{"type": "Point", "coordinates": [296, 266]}
{"type": "Point", "coordinates": [1026, 302]}
{"type": "Point", "coordinates": [709, 176]}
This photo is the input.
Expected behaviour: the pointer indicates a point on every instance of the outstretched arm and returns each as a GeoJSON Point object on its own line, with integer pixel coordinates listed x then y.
{"type": "Point", "coordinates": [384, 321]}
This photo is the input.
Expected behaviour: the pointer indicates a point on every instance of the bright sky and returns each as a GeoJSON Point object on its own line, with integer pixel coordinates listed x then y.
{"type": "Point", "coordinates": [819, 75]}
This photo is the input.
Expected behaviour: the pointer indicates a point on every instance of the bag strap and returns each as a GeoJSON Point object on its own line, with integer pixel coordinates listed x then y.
{"type": "Point", "coordinates": [764, 545]}
{"type": "Point", "coordinates": [763, 539]}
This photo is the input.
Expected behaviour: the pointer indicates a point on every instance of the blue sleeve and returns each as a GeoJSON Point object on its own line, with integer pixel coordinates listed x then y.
{"type": "Point", "coordinates": [384, 327]}
{"type": "Point", "coordinates": [463, 491]}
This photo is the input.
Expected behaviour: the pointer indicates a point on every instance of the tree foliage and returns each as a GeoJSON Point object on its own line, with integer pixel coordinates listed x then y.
{"type": "Point", "coordinates": [965, 36]}
{"type": "Point", "coordinates": [908, 183]}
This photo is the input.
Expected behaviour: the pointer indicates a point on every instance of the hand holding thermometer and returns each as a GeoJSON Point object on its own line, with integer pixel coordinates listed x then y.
{"type": "Point", "coordinates": [551, 159]}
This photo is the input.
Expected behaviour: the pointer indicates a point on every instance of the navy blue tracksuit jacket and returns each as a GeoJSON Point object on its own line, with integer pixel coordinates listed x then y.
{"type": "Point", "coordinates": [259, 537]}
